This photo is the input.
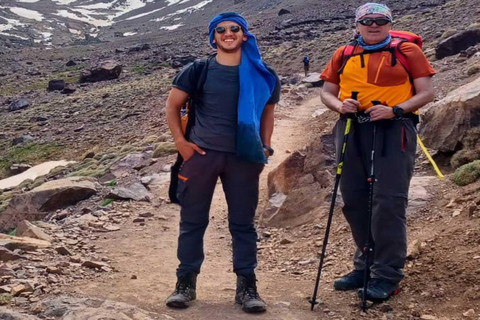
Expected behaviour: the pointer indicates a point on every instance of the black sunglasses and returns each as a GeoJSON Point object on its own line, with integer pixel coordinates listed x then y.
{"type": "Point", "coordinates": [369, 21]}
{"type": "Point", "coordinates": [234, 29]}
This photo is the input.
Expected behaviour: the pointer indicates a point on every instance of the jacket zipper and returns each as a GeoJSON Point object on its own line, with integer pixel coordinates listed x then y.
{"type": "Point", "coordinates": [379, 67]}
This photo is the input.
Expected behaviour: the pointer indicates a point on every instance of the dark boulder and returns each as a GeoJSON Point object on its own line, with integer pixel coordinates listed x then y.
{"type": "Point", "coordinates": [457, 43]}
{"type": "Point", "coordinates": [284, 11]}
{"type": "Point", "coordinates": [18, 105]}
{"type": "Point", "coordinates": [107, 70]}
{"type": "Point", "coordinates": [56, 85]}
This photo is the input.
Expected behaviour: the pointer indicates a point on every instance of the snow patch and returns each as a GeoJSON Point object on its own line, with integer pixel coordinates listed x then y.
{"type": "Point", "coordinates": [64, 1]}
{"type": "Point", "coordinates": [74, 31]}
{"type": "Point", "coordinates": [13, 35]}
{"type": "Point", "coordinates": [100, 5]}
{"type": "Point", "coordinates": [29, 14]}
{"type": "Point", "coordinates": [176, 26]}
{"type": "Point", "coordinates": [87, 19]}
{"type": "Point", "coordinates": [28, 1]}
{"type": "Point", "coordinates": [190, 9]}
{"type": "Point", "coordinates": [144, 14]}
{"type": "Point", "coordinates": [11, 24]}
{"type": "Point", "coordinates": [126, 34]}
{"type": "Point", "coordinates": [172, 2]}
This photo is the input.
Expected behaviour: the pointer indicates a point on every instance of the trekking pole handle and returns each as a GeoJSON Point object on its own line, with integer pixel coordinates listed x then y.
{"type": "Point", "coordinates": [354, 97]}
{"type": "Point", "coordinates": [376, 102]}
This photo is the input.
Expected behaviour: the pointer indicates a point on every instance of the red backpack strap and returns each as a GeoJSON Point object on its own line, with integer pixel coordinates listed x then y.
{"type": "Point", "coordinates": [397, 54]}
{"type": "Point", "coordinates": [347, 53]}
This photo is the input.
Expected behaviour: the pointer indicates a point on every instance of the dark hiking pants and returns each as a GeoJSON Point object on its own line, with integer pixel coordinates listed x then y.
{"type": "Point", "coordinates": [395, 149]}
{"type": "Point", "coordinates": [197, 180]}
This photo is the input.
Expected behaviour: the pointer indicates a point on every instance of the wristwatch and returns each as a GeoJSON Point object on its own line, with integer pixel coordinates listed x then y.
{"type": "Point", "coordinates": [269, 149]}
{"type": "Point", "coordinates": [397, 111]}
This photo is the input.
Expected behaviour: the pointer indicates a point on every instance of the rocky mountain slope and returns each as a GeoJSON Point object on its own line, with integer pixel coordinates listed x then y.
{"type": "Point", "coordinates": [60, 100]}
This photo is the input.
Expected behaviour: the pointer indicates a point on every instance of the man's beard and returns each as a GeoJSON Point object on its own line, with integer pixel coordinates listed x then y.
{"type": "Point", "coordinates": [229, 50]}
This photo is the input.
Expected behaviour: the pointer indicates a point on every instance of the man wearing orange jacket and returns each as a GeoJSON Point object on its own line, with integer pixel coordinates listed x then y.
{"type": "Point", "coordinates": [373, 71]}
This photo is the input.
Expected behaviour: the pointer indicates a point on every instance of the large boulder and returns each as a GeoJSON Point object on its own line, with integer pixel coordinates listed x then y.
{"type": "Point", "coordinates": [107, 70]}
{"type": "Point", "coordinates": [447, 122]}
{"type": "Point", "coordinates": [457, 43]}
{"type": "Point", "coordinates": [299, 186]}
{"type": "Point", "coordinates": [52, 195]}
{"type": "Point", "coordinates": [283, 178]}
{"type": "Point", "coordinates": [313, 79]}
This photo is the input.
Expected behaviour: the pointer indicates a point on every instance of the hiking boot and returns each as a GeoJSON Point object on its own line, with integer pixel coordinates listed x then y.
{"type": "Point", "coordinates": [379, 290]}
{"type": "Point", "coordinates": [351, 281]}
{"type": "Point", "coordinates": [247, 295]}
{"type": "Point", "coordinates": [184, 292]}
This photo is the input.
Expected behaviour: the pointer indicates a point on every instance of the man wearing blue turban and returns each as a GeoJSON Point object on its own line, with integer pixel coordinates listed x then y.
{"type": "Point", "coordinates": [230, 139]}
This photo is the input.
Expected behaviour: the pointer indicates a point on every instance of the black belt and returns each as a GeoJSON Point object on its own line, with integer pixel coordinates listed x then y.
{"type": "Point", "coordinates": [362, 117]}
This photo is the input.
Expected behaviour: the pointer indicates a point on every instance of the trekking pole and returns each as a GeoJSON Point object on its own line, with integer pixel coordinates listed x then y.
{"type": "Point", "coordinates": [348, 126]}
{"type": "Point", "coordinates": [367, 250]}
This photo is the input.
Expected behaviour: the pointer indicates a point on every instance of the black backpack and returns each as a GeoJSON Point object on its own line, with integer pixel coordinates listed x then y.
{"type": "Point", "coordinates": [200, 67]}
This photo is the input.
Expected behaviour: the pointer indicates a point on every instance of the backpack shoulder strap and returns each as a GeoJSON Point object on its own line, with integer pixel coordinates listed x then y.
{"type": "Point", "coordinates": [395, 44]}
{"type": "Point", "coordinates": [347, 54]}
{"type": "Point", "coordinates": [200, 67]}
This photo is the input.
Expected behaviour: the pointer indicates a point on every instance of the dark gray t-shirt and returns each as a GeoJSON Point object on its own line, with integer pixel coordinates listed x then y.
{"type": "Point", "coordinates": [216, 109]}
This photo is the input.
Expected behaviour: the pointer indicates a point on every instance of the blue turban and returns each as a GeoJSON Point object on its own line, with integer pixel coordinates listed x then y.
{"type": "Point", "coordinates": [257, 84]}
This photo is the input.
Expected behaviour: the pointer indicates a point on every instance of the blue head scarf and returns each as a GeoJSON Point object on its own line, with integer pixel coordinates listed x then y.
{"type": "Point", "coordinates": [256, 86]}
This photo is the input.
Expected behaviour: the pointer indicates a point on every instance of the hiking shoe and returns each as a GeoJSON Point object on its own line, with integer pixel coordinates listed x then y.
{"type": "Point", "coordinates": [184, 292]}
{"type": "Point", "coordinates": [247, 295]}
{"type": "Point", "coordinates": [379, 290]}
{"type": "Point", "coordinates": [351, 281]}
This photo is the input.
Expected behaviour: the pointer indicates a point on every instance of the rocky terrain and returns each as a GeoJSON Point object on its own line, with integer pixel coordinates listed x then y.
{"type": "Point", "coordinates": [100, 225]}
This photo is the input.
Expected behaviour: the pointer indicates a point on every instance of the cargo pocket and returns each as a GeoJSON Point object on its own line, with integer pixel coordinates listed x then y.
{"type": "Point", "coordinates": [181, 190]}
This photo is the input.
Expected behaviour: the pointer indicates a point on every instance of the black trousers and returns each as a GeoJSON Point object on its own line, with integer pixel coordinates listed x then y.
{"type": "Point", "coordinates": [197, 180]}
{"type": "Point", "coordinates": [394, 163]}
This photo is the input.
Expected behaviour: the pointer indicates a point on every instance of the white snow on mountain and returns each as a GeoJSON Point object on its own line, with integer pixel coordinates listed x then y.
{"type": "Point", "coordinates": [90, 15]}
{"type": "Point", "coordinates": [29, 14]}
{"type": "Point", "coordinates": [65, 2]}
{"type": "Point", "coordinates": [172, 27]}
{"type": "Point", "coordinates": [190, 9]}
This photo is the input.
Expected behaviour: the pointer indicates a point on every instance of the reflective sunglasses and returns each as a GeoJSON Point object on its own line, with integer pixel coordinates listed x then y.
{"type": "Point", "coordinates": [234, 29]}
{"type": "Point", "coordinates": [369, 21]}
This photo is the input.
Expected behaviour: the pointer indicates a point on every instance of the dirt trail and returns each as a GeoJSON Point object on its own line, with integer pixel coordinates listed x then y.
{"type": "Point", "coordinates": [149, 253]}
{"type": "Point", "coordinates": [144, 257]}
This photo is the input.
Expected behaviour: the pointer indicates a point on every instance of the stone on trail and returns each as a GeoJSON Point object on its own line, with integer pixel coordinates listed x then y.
{"type": "Point", "coordinates": [50, 196]}
{"type": "Point", "coordinates": [428, 317]}
{"type": "Point", "coordinates": [69, 308]}
{"type": "Point", "coordinates": [469, 313]}
{"type": "Point", "coordinates": [7, 255]}
{"type": "Point", "coordinates": [23, 243]}
{"type": "Point", "coordinates": [9, 314]}
{"type": "Point", "coordinates": [27, 229]}
{"type": "Point", "coordinates": [135, 192]}
{"type": "Point", "coordinates": [413, 249]}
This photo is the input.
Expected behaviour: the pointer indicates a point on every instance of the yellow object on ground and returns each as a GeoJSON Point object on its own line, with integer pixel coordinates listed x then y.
{"type": "Point", "coordinates": [437, 170]}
